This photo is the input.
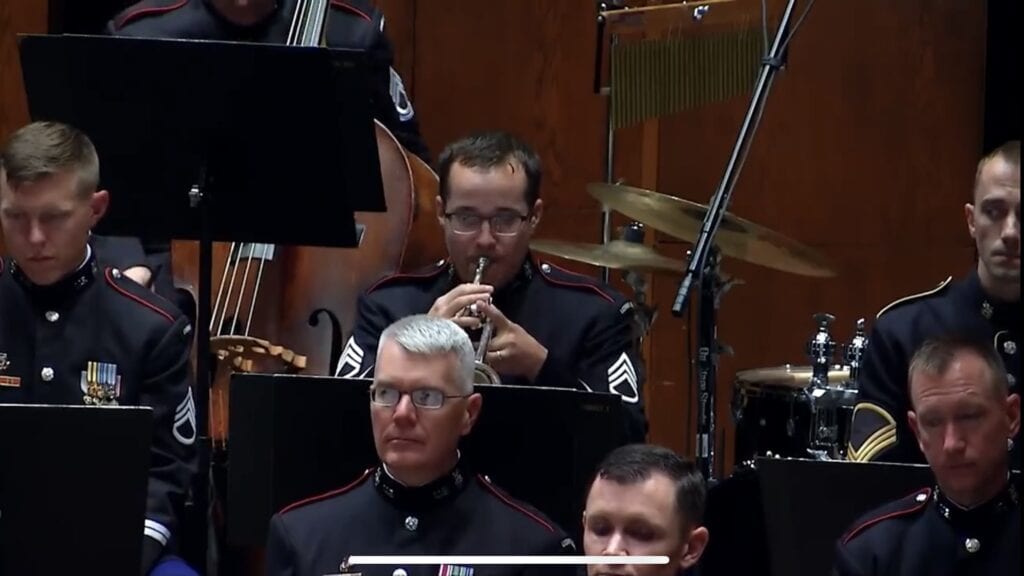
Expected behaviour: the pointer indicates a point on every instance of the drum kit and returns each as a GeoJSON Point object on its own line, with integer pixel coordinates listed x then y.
{"type": "Point", "coordinates": [784, 411]}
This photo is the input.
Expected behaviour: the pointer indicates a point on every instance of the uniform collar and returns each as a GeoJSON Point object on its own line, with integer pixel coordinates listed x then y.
{"type": "Point", "coordinates": [259, 31]}
{"type": "Point", "coordinates": [65, 288]}
{"type": "Point", "coordinates": [991, 309]}
{"type": "Point", "coordinates": [405, 497]}
{"type": "Point", "coordinates": [978, 516]}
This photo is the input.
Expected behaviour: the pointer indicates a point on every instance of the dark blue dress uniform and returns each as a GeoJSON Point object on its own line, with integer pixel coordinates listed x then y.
{"type": "Point", "coordinates": [926, 534]}
{"type": "Point", "coordinates": [457, 514]}
{"type": "Point", "coordinates": [98, 338]}
{"type": "Point", "coordinates": [880, 431]}
{"type": "Point", "coordinates": [586, 327]}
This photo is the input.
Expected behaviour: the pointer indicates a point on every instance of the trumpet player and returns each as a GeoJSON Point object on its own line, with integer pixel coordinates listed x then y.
{"type": "Point", "coordinates": [549, 327]}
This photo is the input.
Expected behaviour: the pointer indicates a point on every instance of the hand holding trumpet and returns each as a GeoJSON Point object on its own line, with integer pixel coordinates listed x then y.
{"type": "Point", "coordinates": [455, 305]}
{"type": "Point", "coordinates": [512, 350]}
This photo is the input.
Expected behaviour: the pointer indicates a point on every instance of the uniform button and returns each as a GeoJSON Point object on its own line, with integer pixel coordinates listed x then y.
{"type": "Point", "coordinates": [545, 268]}
{"type": "Point", "coordinates": [1010, 347]}
{"type": "Point", "coordinates": [52, 316]}
{"type": "Point", "coordinates": [1011, 380]}
{"type": "Point", "coordinates": [972, 545]}
{"type": "Point", "coordinates": [921, 497]}
{"type": "Point", "coordinates": [115, 273]}
{"type": "Point", "coordinates": [411, 523]}
{"type": "Point", "coordinates": [400, 572]}
{"type": "Point", "coordinates": [46, 373]}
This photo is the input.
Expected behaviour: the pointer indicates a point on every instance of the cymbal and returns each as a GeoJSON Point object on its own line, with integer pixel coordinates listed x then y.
{"type": "Point", "coordinates": [736, 237]}
{"type": "Point", "coordinates": [789, 376]}
{"type": "Point", "coordinates": [618, 254]}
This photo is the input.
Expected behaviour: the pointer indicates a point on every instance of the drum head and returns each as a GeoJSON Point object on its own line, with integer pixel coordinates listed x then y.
{"type": "Point", "coordinates": [787, 376]}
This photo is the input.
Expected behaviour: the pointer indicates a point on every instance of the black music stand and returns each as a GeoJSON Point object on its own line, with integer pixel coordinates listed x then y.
{"type": "Point", "coordinates": [73, 488]}
{"type": "Point", "coordinates": [786, 515]}
{"type": "Point", "coordinates": [216, 141]}
{"type": "Point", "coordinates": [293, 437]}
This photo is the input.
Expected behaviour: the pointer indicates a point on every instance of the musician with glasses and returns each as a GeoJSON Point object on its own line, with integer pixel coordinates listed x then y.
{"type": "Point", "coordinates": [551, 327]}
{"type": "Point", "coordinates": [421, 500]}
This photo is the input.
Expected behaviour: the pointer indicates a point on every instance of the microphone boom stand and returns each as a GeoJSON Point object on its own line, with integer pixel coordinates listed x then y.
{"type": "Point", "coordinates": [700, 268]}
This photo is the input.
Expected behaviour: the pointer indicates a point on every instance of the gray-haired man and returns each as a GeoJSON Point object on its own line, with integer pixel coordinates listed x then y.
{"type": "Point", "coordinates": [421, 500]}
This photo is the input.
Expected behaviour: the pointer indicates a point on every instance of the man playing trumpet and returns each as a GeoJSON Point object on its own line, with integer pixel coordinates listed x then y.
{"type": "Point", "coordinates": [550, 327]}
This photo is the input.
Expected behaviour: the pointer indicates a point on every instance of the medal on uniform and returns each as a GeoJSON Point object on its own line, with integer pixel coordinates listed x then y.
{"type": "Point", "coordinates": [453, 570]}
{"type": "Point", "coordinates": [101, 384]}
{"type": "Point", "coordinates": [7, 381]}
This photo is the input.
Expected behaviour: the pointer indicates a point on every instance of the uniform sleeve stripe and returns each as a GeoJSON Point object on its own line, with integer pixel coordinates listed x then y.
{"type": "Point", "coordinates": [878, 441]}
{"type": "Point", "coordinates": [869, 523]}
{"type": "Point", "coordinates": [156, 531]}
{"type": "Point", "coordinates": [876, 409]}
{"type": "Point", "coordinates": [875, 445]}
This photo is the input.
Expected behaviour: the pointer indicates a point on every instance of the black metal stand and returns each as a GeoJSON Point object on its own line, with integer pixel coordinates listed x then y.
{"type": "Point", "coordinates": [707, 363]}
{"type": "Point", "coordinates": [700, 255]}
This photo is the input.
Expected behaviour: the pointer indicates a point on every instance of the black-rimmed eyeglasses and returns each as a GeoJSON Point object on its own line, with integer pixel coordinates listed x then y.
{"type": "Point", "coordinates": [429, 398]}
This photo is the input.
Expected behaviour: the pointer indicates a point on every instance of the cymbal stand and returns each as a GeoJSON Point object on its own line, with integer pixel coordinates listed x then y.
{"type": "Point", "coordinates": [645, 314]}
{"type": "Point", "coordinates": [707, 362]}
{"type": "Point", "coordinates": [609, 142]}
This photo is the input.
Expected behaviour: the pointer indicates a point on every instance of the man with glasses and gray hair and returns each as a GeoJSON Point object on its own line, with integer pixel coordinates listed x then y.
{"type": "Point", "coordinates": [551, 328]}
{"type": "Point", "coordinates": [421, 500]}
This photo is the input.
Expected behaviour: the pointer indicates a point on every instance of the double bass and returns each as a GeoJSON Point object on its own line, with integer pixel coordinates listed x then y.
{"type": "Point", "coordinates": [279, 309]}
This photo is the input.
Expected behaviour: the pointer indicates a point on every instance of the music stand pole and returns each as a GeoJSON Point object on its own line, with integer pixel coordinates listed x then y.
{"type": "Point", "coordinates": [699, 256]}
{"type": "Point", "coordinates": [135, 99]}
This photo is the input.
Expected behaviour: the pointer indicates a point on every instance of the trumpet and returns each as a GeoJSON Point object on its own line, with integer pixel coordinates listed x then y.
{"type": "Point", "coordinates": [482, 372]}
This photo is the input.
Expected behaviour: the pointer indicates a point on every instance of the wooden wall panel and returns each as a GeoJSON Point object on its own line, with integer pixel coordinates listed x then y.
{"type": "Point", "coordinates": [866, 152]}
{"type": "Point", "coordinates": [16, 17]}
{"type": "Point", "coordinates": [521, 65]}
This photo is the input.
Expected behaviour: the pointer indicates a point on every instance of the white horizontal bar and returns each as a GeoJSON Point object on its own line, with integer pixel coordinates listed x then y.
{"type": "Point", "coordinates": [495, 560]}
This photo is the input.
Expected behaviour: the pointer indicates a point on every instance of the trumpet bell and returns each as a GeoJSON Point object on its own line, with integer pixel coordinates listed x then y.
{"type": "Point", "coordinates": [484, 374]}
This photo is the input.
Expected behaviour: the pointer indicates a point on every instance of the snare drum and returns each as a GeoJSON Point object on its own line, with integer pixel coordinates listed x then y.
{"type": "Point", "coordinates": [775, 415]}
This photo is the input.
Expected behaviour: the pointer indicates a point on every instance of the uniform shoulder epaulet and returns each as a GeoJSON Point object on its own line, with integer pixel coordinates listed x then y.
{"type": "Point", "coordinates": [895, 303]}
{"type": "Point", "coordinates": [562, 277]}
{"type": "Point", "coordinates": [911, 504]}
{"type": "Point", "coordinates": [511, 502]}
{"type": "Point", "coordinates": [428, 273]}
{"type": "Point", "coordinates": [146, 8]}
{"type": "Point", "coordinates": [361, 8]}
{"type": "Point", "coordinates": [329, 494]}
{"type": "Point", "coordinates": [137, 293]}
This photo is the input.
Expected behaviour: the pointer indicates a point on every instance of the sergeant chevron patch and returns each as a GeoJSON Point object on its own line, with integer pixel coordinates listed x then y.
{"type": "Point", "coordinates": [622, 379]}
{"type": "Point", "coordinates": [351, 360]}
{"type": "Point", "coordinates": [185, 420]}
